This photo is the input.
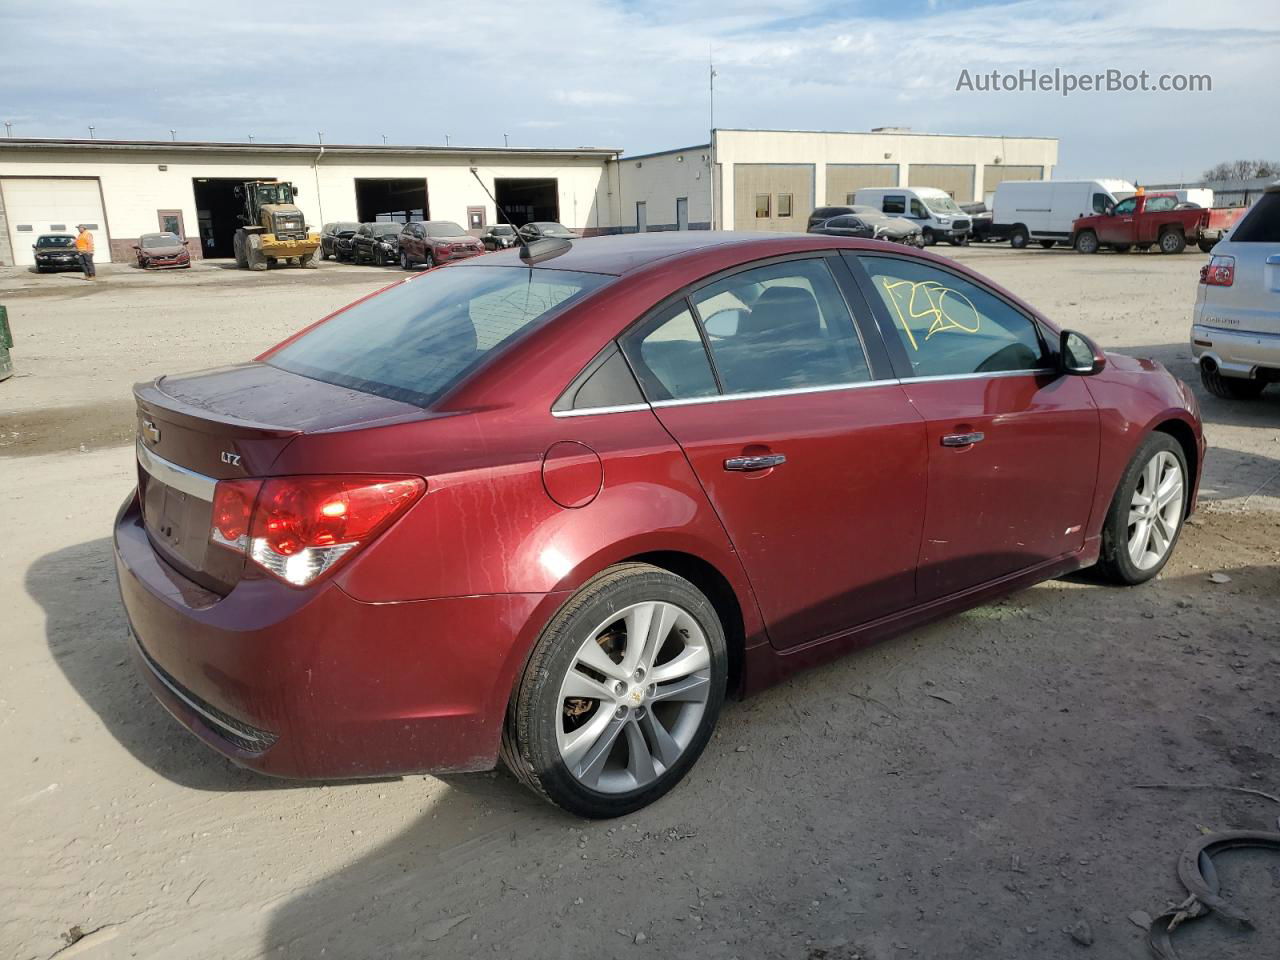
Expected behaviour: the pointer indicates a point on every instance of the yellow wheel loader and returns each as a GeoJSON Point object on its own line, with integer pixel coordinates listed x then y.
{"type": "Point", "coordinates": [274, 231]}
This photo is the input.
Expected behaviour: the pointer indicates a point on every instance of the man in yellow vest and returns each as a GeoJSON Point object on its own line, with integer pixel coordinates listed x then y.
{"type": "Point", "coordinates": [84, 245]}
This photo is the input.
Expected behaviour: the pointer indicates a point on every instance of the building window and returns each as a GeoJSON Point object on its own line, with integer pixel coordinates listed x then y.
{"type": "Point", "coordinates": [762, 206]}
{"type": "Point", "coordinates": [784, 204]}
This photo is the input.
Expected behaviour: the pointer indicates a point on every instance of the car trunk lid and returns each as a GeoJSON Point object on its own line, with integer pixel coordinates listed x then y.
{"type": "Point", "coordinates": [224, 424]}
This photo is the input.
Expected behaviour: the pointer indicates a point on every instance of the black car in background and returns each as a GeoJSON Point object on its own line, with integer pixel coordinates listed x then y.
{"type": "Point", "coordinates": [980, 222]}
{"type": "Point", "coordinates": [335, 240]}
{"type": "Point", "coordinates": [845, 225]}
{"type": "Point", "coordinates": [56, 251]}
{"type": "Point", "coordinates": [376, 243]}
{"type": "Point", "coordinates": [541, 229]}
{"type": "Point", "coordinates": [499, 237]}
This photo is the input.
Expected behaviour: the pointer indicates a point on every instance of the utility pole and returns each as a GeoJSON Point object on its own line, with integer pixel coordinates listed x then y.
{"type": "Point", "coordinates": [320, 137]}
{"type": "Point", "coordinates": [505, 141]}
{"type": "Point", "coordinates": [711, 67]}
{"type": "Point", "coordinates": [91, 136]}
{"type": "Point", "coordinates": [8, 129]}
{"type": "Point", "coordinates": [446, 140]}
{"type": "Point", "coordinates": [251, 138]}
{"type": "Point", "coordinates": [173, 134]}
{"type": "Point", "coordinates": [384, 139]}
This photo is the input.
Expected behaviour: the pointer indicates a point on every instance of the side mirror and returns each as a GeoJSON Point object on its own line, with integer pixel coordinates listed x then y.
{"type": "Point", "coordinates": [137, 247]}
{"type": "Point", "coordinates": [1079, 356]}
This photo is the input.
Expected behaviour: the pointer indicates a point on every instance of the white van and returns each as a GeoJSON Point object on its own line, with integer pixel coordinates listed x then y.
{"type": "Point", "coordinates": [1043, 210]}
{"type": "Point", "coordinates": [932, 209]}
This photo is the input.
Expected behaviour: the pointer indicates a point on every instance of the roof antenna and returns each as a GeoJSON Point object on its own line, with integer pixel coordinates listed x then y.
{"type": "Point", "coordinates": [530, 253]}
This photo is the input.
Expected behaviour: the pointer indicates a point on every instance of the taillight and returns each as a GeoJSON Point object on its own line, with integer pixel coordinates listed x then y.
{"type": "Point", "coordinates": [1220, 271]}
{"type": "Point", "coordinates": [296, 528]}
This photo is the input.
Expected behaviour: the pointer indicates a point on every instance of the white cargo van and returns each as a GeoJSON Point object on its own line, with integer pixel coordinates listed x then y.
{"type": "Point", "coordinates": [1043, 210]}
{"type": "Point", "coordinates": [931, 209]}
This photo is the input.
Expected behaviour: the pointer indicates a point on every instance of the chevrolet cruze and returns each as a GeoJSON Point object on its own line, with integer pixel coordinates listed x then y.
{"type": "Point", "coordinates": [555, 504]}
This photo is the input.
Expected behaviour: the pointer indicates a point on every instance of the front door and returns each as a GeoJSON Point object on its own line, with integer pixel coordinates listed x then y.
{"type": "Point", "coordinates": [642, 217]}
{"type": "Point", "coordinates": [1013, 445]}
{"type": "Point", "coordinates": [682, 213]}
{"type": "Point", "coordinates": [815, 468]}
{"type": "Point", "coordinates": [1119, 228]}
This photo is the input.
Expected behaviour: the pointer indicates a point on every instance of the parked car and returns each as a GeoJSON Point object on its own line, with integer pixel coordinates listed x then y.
{"type": "Point", "coordinates": [931, 209]}
{"type": "Point", "coordinates": [335, 240]}
{"type": "Point", "coordinates": [499, 237]}
{"type": "Point", "coordinates": [544, 229]}
{"type": "Point", "coordinates": [1235, 329]}
{"type": "Point", "coordinates": [979, 222]}
{"type": "Point", "coordinates": [556, 512]}
{"type": "Point", "coordinates": [161, 251]}
{"type": "Point", "coordinates": [436, 241]}
{"type": "Point", "coordinates": [1143, 220]}
{"type": "Point", "coordinates": [896, 229]}
{"type": "Point", "coordinates": [1043, 210]}
{"type": "Point", "coordinates": [376, 243]}
{"type": "Point", "coordinates": [56, 251]}
{"type": "Point", "coordinates": [891, 229]}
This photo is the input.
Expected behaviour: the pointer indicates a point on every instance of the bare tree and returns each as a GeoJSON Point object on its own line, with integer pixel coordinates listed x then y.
{"type": "Point", "coordinates": [1243, 170]}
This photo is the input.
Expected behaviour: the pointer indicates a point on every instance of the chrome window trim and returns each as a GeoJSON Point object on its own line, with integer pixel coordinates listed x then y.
{"type": "Point", "coordinates": [756, 394]}
{"type": "Point", "coordinates": [1033, 371]}
{"type": "Point", "coordinates": [171, 475]}
{"type": "Point", "coordinates": [589, 411]}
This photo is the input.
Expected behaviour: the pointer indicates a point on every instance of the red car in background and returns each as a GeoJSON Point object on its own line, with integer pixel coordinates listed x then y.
{"type": "Point", "coordinates": [556, 510]}
{"type": "Point", "coordinates": [1153, 219]}
{"type": "Point", "coordinates": [158, 251]}
{"type": "Point", "coordinates": [435, 241]}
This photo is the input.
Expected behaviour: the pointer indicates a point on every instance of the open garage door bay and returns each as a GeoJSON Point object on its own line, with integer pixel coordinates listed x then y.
{"type": "Point", "coordinates": [36, 205]}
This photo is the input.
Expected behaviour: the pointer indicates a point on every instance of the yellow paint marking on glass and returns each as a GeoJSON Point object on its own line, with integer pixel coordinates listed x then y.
{"type": "Point", "coordinates": [943, 315]}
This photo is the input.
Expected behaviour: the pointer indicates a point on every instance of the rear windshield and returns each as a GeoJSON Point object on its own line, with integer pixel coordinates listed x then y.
{"type": "Point", "coordinates": [419, 338]}
{"type": "Point", "coordinates": [1261, 224]}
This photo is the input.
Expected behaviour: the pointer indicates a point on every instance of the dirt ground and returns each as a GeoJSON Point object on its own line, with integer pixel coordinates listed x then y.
{"type": "Point", "coordinates": [974, 789]}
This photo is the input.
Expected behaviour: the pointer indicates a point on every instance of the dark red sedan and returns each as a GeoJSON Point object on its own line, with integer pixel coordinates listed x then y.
{"type": "Point", "coordinates": [557, 511]}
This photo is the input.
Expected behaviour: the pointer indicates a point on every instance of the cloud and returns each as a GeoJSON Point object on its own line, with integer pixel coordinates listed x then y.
{"type": "Point", "coordinates": [635, 75]}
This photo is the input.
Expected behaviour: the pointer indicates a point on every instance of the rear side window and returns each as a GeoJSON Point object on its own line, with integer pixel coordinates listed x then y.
{"type": "Point", "coordinates": [949, 326]}
{"type": "Point", "coordinates": [668, 357]}
{"type": "Point", "coordinates": [895, 203]}
{"type": "Point", "coordinates": [1261, 224]}
{"type": "Point", "coordinates": [780, 327]}
{"type": "Point", "coordinates": [419, 338]}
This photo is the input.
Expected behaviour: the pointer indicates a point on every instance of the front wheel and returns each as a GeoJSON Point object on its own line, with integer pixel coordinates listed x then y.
{"type": "Point", "coordinates": [927, 238]}
{"type": "Point", "coordinates": [404, 261]}
{"type": "Point", "coordinates": [1087, 242]}
{"type": "Point", "coordinates": [620, 695]}
{"type": "Point", "coordinates": [1146, 514]}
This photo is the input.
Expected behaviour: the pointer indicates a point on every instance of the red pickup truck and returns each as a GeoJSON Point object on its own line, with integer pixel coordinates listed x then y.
{"type": "Point", "coordinates": [1156, 218]}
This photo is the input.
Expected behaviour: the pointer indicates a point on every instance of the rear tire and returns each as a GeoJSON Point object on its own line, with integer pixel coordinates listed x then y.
{"type": "Point", "coordinates": [1019, 238]}
{"type": "Point", "coordinates": [1172, 241]}
{"type": "Point", "coordinates": [1087, 242]}
{"type": "Point", "coordinates": [1206, 245]}
{"type": "Point", "coordinates": [1230, 388]}
{"type": "Point", "coordinates": [1145, 519]}
{"type": "Point", "coordinates": [635, 719]}
{"type": "Point", "coordinates": [308, 261]}
{"type": "Point", "coordinates": [256, 259]}
{"type": "Point", "coordinates": [237, 245]}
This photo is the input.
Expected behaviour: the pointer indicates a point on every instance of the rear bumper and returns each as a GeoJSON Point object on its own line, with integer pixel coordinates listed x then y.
{"type": "Point", "coordinates": [315, 684]}
{"type": "Point", "coordinates": [1237, 353]}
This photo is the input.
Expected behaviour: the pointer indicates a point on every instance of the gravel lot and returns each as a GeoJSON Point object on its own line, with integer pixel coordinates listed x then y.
{"type": "Point", "coordinates": [969, 790]}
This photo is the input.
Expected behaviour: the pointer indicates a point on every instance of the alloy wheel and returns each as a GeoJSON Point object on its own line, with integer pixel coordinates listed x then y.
{"type": "Point", "coordinates": [1155, 510]}
{"type": "Point", "coordinates": [634, 696]}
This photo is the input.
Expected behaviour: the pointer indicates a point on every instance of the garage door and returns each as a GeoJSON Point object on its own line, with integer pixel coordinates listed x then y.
{"type": "Point", "coordinates": [772, 196]}
{"type": "Point", "coordinates": [846, 179]}
{"type": "Point", "coordinates": [993, 174]}
{"type": "Point", "coordinates": [955, 178]}
{"type": "Point", "coordinates": [35, 206]}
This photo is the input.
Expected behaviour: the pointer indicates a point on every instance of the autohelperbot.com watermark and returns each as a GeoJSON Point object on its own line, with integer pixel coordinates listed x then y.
{"type": "Point", "coordinates": [1066, 82]}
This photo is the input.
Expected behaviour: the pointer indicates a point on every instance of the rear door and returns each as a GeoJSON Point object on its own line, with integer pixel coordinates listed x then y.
{"type": "Point", "coordinates": [810, 453]}
{"type": "Point", "coordinates": [1013, 445]}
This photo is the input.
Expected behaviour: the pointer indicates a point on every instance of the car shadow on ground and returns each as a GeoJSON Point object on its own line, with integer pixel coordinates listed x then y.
{"type": "Point", "coordinates": [88, 638]}
{"type": "Point", "coordinates": [872, 839]}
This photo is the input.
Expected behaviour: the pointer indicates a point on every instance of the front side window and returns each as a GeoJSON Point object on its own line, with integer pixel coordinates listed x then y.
{"type": "Point", "coordinates": [918, 210]}
{"type": "Point", "coordinates": [784, 204]}
{"type": "Point", "coordinates": [1126, 206]}
{"type": "Point", "coordinates": [949, 326]}
{"type": "Point", "coordinates": [762, 205]}
{"type": "Point", "coordinates": [668, 357]}
{"type": "Point", "coordinates": [780, 327]}
{"type": "Point", "coordinates": [416, 340]}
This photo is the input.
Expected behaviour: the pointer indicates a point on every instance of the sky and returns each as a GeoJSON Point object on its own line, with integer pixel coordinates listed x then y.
{"type": "Point", "coordinates": [633, 74]}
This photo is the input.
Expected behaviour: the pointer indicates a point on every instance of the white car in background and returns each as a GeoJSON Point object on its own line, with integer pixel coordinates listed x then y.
{"type": "Point", "coordinates": [1235, 330]}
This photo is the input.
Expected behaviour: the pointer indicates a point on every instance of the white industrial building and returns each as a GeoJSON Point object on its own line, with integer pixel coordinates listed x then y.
{"type": "Point", "coordinates": [740, 180]}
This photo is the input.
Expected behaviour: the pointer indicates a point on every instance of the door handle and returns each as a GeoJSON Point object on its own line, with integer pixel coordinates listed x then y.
{"type": "Point", "coordinates": [962, 439]}
{"type": "Point", "coordinates": [747, 464]}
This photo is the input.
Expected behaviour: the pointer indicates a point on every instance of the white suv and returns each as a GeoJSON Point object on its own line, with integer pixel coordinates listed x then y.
{"type": "Point", "coordinates": [1235, 330]}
